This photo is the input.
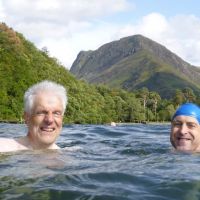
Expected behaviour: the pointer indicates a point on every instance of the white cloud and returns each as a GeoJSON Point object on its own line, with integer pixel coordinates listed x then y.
{"type": "Point", "coordinates": [87, 39]}
{"type": "Point", "coordinates": [2, 15]}
{"type": "Point", "coordinates": [180, 34]}
{"type": "Point", "coordinates": [66, 27]}
{"type": "Point", "coordinates": [61, 11]}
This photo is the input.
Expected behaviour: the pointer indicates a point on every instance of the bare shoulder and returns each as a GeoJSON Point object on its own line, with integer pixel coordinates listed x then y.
{"type": "Point", "coordinates": [10, 144]}
{"type": "Point", "coordinates": [7, 140]}
{"type": "Point", "coordinates": [54, 146]}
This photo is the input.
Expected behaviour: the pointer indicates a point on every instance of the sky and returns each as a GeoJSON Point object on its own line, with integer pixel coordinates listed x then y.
{"type": "Point", "coordinates": [66, 27]}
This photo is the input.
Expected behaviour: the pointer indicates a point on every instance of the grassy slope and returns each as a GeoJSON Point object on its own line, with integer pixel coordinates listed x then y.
{"type": "Point", "coordinates": [144, 70]}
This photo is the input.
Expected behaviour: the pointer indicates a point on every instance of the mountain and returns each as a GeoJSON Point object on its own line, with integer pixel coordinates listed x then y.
{"type": "Point", "coordinates": [134, 62]}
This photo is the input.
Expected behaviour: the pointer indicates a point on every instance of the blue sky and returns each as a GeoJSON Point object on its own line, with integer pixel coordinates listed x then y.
{"type": "Point", "coordinates": [66, 27]}
{"type": "Point", "coordinates": [168, 8]}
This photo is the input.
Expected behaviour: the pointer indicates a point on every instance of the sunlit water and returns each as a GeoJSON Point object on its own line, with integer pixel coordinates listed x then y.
{"type": "Point", "coordinates": [127, 162]}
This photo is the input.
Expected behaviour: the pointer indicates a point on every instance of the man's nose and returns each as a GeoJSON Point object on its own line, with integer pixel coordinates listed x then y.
{"type": "Point", "coordinates": [184, 129]}
{"type": "Point", "coordinates": [49, 117]}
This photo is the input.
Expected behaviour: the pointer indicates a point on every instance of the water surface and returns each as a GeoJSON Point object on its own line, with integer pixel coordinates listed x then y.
{"type": "Point", "coordinates": [99, 162]}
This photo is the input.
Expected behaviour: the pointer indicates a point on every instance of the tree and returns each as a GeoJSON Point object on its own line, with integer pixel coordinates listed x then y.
{"type": "Point", "coordinates": [166, 113]}
{"type": "Point", "coordinates": [119, 104]}
{"type": "Point", "coordinates": [155, 98]}
{"type": "Point", "coordinates": [45, 50]}
{"type": "Point", "coordinates": [143, 95]}
{"type": "Point", "coordinates": [179, 97]}
{"type": "Point", "coordinates": [189, 94]}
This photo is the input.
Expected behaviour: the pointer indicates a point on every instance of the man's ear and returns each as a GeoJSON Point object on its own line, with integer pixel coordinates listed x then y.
{"type": "Point", "coordinates": [26, 117]}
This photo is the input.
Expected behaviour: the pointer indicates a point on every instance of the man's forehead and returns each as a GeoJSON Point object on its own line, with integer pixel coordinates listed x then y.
{"type": "Point", "coordinates": [188, 119]}
{"type": "Point", "coordinates": [47, 99]}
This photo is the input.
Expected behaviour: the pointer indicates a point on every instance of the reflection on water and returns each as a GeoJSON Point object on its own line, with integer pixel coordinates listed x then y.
{"type": "Point", "coordinates": [101, 162]}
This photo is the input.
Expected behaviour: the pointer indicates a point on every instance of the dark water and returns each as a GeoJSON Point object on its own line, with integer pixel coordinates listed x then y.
{"type": "Point", "coordinates": [126, 162]}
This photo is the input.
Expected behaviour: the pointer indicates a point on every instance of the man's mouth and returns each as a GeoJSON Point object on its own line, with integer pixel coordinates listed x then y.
{"type": "Point", "coordinates": [183, 138]}
{"type": "Point", "coordinates": [46, 129]}
{"type": "Point", "coordinates": [182, 141]}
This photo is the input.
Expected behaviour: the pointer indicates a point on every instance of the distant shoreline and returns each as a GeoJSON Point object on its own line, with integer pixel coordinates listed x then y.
{"type": "Point", "coordinates": [117, 123]}
{"type": "Point", "coordinates": [11, 121]}
{"type": "Point", "coordinates": [152, 123]}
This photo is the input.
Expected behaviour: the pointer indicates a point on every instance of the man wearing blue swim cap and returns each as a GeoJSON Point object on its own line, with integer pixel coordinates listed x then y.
{"type": "Point", "coordinates": [185, 128]}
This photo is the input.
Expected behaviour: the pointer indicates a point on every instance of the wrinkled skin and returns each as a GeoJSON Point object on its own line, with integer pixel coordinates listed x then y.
{"type": "Point", "coordinates": [45, 121]}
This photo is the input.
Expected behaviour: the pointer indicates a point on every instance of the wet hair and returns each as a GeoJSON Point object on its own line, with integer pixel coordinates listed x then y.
{"type": "Point", "coordinates": [44, 86]}
{"type": "Point", "coordinates": [188, 109]}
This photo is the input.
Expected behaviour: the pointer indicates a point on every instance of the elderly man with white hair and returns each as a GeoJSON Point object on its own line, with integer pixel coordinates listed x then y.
{"type": "Point", "coordinates": [44, 107]}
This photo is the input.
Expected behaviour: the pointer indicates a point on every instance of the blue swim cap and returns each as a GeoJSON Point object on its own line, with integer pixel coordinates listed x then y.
{"type": "Point", "coordinates": [188, 109]}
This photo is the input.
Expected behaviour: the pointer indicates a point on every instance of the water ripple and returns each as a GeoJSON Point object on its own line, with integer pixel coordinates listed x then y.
{"type": "Point", "coordinates": [99, 162]}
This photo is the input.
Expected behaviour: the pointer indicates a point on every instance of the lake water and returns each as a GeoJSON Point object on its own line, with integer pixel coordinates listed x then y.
{"type": "Point", "coordinates": [127, 162]}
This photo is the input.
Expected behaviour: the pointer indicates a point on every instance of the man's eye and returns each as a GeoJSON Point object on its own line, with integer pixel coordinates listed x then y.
{"type": "Point", "coordinates": [57, 113]}
{"type": "Point", "coordinates": [40, 113]}
{"type": "Point", "coordinates": [177, 124]}
{"type": "Point", "coordinates": [191, 125]}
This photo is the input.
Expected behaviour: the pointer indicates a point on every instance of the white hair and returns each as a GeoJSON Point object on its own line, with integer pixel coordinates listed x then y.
{"type": "Point", "coordinates": [44, 86]}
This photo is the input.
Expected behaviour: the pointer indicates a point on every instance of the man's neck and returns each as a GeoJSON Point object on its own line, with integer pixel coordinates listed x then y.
{"type": "Point", "coordinates": [31, 144]}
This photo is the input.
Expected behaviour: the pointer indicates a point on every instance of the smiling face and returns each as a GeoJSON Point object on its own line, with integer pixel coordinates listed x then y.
{"type": "Point", "coordinates": [45, 120]}
{"type": "Point", "coordinates": [185, 133]}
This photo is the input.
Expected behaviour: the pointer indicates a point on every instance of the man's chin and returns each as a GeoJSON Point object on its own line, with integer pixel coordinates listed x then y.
{"type": "Point", "coordinates": [47, 140]}
{"type": "Point", "coordinates": [184, 148]}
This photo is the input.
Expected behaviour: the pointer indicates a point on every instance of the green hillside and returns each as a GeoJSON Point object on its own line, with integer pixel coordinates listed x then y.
{"type": "Point", "coordinates": [22, 64]}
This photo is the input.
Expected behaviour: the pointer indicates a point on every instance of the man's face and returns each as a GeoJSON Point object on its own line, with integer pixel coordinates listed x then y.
{"type": "Point", "coordinates": [45, 121]}
{"type": "Point", "coordinates": [185, 133]}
